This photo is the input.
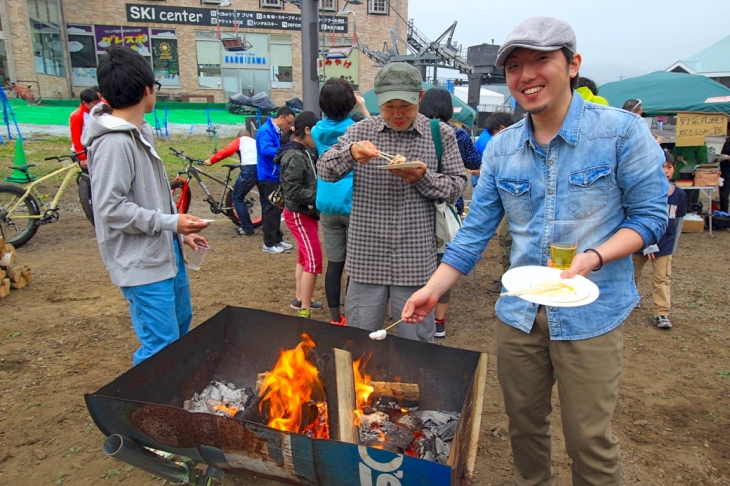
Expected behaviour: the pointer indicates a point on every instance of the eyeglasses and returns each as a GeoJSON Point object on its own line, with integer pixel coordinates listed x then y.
{"type": "Point", "coordinates": [637, 105]}
{"type": "Point", "coordinates": [158, 85]}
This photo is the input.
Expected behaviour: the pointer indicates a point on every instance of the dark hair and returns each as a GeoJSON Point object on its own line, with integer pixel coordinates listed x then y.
{"type": "Point", "coordinates": [631, 105]}
{"type": "Point", "coordinates": [284, 111]}
{"type": "Point", "coordinates": [337, 99]}
{"type": "Point", "coordinates": [669, 158]}
{"type": "Point", "coordinates": [123, 75]}
{"type": "Point", "coordinates": [588, 83]}
{"type": "Point", "coordinates": [569, 57]}
{"type": "Point", "coordinates": [304, 120]}
{"type": "Point", "coordinates": [497, 120]}
{"type": "Point", "coordinates": [436, 104]}
{"type": "Point", "coordinates": [89, 95]}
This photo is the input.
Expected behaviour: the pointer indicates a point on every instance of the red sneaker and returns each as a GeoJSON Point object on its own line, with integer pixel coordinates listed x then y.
{"type": "Point", "coordinates": [341, 322]}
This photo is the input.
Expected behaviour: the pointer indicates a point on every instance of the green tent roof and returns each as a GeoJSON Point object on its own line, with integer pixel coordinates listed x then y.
{"type": "Point", "coordinates": [664, 93]}
{"type": "Point", "coordinates": [463, 113]}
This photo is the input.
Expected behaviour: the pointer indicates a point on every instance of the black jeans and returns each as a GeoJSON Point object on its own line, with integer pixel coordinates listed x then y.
{"type": "Point", "coordinates": [272, 215]}
{"type": "Point", "coordinates": [244, 183]}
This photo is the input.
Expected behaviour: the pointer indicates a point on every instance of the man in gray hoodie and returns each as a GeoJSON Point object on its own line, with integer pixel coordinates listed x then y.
{"type": "Point", "coordinates": [139, 232]}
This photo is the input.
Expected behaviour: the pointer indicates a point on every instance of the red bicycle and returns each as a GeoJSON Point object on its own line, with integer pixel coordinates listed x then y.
{"type": "Point", "coordinates": [15, 90]}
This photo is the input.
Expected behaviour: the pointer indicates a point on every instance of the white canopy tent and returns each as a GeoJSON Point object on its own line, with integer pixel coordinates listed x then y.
{"type": "Point", "coordinates": [486, 97]}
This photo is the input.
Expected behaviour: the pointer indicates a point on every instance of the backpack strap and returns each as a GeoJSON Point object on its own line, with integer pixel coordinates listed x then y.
{"type": "Point", "coordinates": [436, 136]}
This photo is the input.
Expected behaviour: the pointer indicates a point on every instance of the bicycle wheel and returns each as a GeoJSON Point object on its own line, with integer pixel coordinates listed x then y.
{"type": "Point", "coordinates": [180, 195]}
{"type": "Point", "coordinates": [85, 196]}
{"type": "Point", "coordinates": [10, 93]}
{"type": "Point", "coordinates": [31, 99]}
{"type": "Point", "coordinates": [18, 227]}
{"type": "Point", "coordinates": [252, 203]}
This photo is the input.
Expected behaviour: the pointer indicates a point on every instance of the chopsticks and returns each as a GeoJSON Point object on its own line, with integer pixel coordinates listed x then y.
{"type": "Point", "coordinates": [382, 154]}
{"type": "Point", "coordinates": [534, 290]}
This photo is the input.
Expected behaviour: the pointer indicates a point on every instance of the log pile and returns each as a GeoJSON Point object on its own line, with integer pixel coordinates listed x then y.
{"type": "Point", "coordinates": [12, 275]}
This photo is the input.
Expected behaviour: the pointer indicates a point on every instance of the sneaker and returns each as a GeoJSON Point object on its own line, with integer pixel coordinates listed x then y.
{"type": "Point", "coordinates": [495, 288]}
{"type": "Point", "coordinates": [313, 304]}
{"type": "Point", "coordinates": [662, 322]}
{"type": "Point", "coordinates": [242, 232]}
{"type": "Point", "coordinates": [440, 328]}
{"type": "Point", "coordinates": [284, 245]}
{"type": "Point", "coordinates": [272, 249]}
{"type": "Point", "coordinates": [341, 322]}
{"type": "Point", "coordinates": [303, 313]}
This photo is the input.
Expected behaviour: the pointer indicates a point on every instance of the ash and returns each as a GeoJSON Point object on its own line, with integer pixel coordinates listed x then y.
{"type": "Point", "coordinates": [220, 393]}
{"type": "Point", "coordinates": [426, 434]}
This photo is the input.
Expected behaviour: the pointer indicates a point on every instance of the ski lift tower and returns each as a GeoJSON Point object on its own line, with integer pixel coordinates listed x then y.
{"type": "Point", "coordinates": [484, 58]}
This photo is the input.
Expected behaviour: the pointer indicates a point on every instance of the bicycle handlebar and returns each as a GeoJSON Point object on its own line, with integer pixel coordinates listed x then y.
{"type": "Point", "coordinates": [74, 156]}
{"type": "Point", "coordinates": [182, 155]}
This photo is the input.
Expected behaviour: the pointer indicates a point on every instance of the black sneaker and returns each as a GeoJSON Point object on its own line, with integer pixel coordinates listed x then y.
{"type": "Point", "coordinates": [314, 304]}
{"type": "Point", "coordinates": [440, 328]}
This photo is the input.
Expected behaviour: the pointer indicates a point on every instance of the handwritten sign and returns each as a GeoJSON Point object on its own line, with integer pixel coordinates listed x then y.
{"type": "Point", "coordinates": [692, 128]}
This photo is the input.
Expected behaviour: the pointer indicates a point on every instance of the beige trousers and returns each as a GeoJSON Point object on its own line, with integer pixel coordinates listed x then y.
{"type": "Point", "coordinates": [661, 281]}
{"type": "Point", "coordinates": [587, 373]}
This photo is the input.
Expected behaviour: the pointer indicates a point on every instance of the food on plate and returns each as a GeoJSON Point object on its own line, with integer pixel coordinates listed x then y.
{"type": "Point", "coordinates": [398, 159]}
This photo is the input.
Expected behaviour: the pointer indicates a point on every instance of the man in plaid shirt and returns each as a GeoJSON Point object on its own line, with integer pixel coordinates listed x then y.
{"type": "Point", "coordinates": [391, 247]}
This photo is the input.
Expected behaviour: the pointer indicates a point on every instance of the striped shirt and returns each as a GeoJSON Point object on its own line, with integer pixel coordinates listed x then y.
{"type": "Point", "coordinates": [391, 239]}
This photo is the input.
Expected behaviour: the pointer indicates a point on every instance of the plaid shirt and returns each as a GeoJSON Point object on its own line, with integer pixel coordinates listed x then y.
{"type": "Point", "coordinates": [391, 239]}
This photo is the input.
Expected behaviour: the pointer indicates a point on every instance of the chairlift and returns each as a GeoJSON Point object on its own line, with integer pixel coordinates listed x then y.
{"type": "Point", "coordinates": [235, 43]}
{"type": "Point", "coordinates": [342, 52]}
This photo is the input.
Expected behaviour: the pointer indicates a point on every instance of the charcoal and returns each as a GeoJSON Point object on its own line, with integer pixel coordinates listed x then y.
{"type": "Point", "coordinates": [218, 393]}
{"type": "Point", "coordinates": [410, 421]}
{"type": "Point", "coordinates": [367, 422]}
{"type": "Point", "coordinates": [447, 431]}
{"type": "Point", "coordinates": [394, 437]}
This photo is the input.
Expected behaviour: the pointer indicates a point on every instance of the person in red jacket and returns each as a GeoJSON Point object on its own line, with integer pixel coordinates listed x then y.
{"type": "Point", "coordinates": [77, 121]}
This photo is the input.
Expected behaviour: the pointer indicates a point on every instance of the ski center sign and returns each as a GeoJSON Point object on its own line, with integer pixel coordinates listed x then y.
{"type": "Point", "coordinates": [164, 14]}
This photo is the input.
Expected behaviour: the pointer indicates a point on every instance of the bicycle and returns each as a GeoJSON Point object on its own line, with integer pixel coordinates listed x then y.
{"type": "Point", "coordinates": [20, 208]}
{"type": "Point", "coordinates": [181, 191]}
{"type": "Point", "coordinates": [15, 90]}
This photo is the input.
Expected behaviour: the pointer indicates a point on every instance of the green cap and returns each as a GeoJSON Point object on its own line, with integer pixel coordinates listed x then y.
{"type": "Point", "coordinates": [398, 81]}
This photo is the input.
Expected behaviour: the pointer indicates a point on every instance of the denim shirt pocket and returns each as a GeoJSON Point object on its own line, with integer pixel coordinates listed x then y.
{"type": "Point", "coordinates": [515, 194]}
{"type": "Point", "coordinates": [589, 190]}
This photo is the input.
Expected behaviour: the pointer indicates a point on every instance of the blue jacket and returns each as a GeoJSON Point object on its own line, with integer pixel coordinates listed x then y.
{"type": "Point", "coordinates": [603, 169]}
{"type": "Point", "coordinates": [332, 197]}
{"type": "Point", "coordinates": [268, 141]}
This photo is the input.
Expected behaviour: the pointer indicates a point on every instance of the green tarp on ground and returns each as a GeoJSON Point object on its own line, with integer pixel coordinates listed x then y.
{"type": "Point", "coordinates": [463, 113]}
{"type": "Point", "coordinates": [665, 93]}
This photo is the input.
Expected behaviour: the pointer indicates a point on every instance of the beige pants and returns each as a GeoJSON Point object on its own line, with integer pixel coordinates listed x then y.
{"type": "Point", "coordinates": [587, 373]}
{"type": "Point", "coordinates": [661, 281]}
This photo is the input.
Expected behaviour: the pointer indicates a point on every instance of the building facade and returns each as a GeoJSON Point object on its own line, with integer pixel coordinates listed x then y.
{"type": "Point", "coordinates": [199, 50]}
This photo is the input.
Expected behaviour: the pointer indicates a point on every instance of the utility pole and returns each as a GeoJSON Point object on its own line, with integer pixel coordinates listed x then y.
{"type": "Point", "coordinates": [310, 54]}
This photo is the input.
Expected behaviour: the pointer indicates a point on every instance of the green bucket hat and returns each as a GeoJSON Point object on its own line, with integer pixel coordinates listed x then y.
{"type": "Point", "coordinates": [398, 81]}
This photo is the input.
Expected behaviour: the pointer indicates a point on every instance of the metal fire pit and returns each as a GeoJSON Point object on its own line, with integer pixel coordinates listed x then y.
{"type": "Point", "coordinates": [144, 405]}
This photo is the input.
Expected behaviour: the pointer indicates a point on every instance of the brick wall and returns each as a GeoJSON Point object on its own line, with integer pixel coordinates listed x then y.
{"type": "Point", "coordinates": [372, 30]}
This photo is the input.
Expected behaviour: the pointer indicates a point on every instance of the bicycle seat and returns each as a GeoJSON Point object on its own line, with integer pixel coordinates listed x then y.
{"type": "Point", "coordinates": [232, 166]}
{"type": "Point", "coordinates": [23, 167]}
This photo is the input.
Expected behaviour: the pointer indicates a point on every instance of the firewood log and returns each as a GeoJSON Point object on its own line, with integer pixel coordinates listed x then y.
{"type": "Point", "coordinates": [3, 292]}
{"type": "Point", "coordinates": [3, 273]}
{"type": "Point", "coordinates": [2, 247]}
{"type": "Point", "coordinates": [7, 259]}
{"type": "Point", "coordinates": [341, 398]}
{"type": "Point", "coordinates": [6, 285]}
{"type": "Point", "coordinates": [402, 392]}
{"type": "Point", "coordinates": [19, 284]}
{"type": "Point", "coordinates": [14, 273]}
{"type": "Point", "coordinates": [27, 273]}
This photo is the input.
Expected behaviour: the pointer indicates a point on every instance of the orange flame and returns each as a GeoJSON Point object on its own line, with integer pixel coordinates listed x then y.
{"type": "Point", "coordinates": [362, 389]}
{"type": "Point", "coordinates": [289, 386]}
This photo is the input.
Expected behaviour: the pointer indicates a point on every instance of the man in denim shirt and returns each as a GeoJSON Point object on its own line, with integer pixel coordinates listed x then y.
{"type": "Point", "coordinates": [567, 160]}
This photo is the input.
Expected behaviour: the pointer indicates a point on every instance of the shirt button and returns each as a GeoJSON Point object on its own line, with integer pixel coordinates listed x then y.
{"type": "Point", "coordinates": [551, 162]}
{"type": "Point", "coordinates": [547, 252]}
{"type": "Point", "coordinates": [585, 182]}
{"type": "Point", "coordinates": [552, 308]}
{"type": "Point", "coordinates": [550, 192]}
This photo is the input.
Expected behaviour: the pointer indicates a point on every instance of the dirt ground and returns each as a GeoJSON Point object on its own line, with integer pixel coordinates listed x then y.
{"type": "Point", "coordinates": [68, 333]}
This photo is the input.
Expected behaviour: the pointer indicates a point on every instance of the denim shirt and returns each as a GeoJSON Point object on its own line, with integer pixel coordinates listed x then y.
{"type": "Point", "coordinates": [604, 170]}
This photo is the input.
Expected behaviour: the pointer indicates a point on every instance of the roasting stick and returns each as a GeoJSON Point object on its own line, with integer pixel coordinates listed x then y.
{"type": "Point", "coordinates": [380, 335]}
{"type": "Point", "coordinates": [382, 154]}
{"type": "Point", "coordinates": [534, 290]}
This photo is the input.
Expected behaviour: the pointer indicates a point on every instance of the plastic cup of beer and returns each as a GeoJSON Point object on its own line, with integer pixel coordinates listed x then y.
{"type": "Point", "coordinates": [564, 243]}
{"type": "Point", "coordinates": [196, 257]}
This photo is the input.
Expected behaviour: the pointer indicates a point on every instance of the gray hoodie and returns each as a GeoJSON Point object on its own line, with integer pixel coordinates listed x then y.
{"type": "Point", "coordinates": [135, 215]}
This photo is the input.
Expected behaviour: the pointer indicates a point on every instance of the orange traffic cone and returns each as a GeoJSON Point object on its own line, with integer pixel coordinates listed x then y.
{"type": "Point", "coordinates": [20, 176]}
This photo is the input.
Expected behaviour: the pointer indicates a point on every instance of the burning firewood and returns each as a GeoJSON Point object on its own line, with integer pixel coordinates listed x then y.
{"type": "Point", "coordinates": [402, 394]}
{"type": "Point", "coordinates": [341, 397]}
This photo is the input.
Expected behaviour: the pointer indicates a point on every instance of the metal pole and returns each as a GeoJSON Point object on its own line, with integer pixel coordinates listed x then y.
{"type": "Point", "coordinates": [310, 51]}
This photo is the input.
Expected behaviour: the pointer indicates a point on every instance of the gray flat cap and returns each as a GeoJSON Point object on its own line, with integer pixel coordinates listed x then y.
{"type": "Point", "coordinates": [540, 34]}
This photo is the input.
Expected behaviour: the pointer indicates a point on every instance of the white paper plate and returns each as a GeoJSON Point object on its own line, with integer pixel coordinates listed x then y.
{"type": "Point", "coordinates": [404, 165]}
{"type": "Point", "coordinates": [531, 276]}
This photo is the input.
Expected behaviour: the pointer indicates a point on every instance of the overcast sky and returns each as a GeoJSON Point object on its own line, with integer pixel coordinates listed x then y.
{"type": "Point", "coordinates": [616, 38]}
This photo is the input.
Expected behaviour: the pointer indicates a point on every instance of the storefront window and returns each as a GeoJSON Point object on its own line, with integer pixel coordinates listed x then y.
{"type": "Point", "coordinates": [208, 49]}
{"type": "Point", "coordinates": [281, 61]}
{"type": "Point", "coordinates": [165, 60]}
{"type": "Point", "coordinates": [82, 54]}
{"type": "Point", "coordinates": [46, 34]}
